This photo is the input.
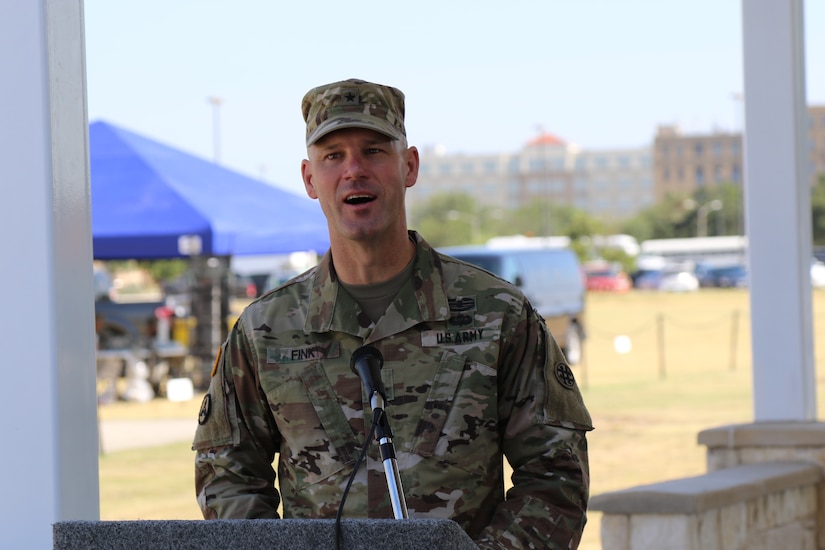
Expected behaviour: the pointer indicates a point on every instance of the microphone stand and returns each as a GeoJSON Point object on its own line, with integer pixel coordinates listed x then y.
{"type": "Point", "coordinates": [383, 434]}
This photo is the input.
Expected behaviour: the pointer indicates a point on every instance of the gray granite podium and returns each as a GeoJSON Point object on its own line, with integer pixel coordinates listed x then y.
{"type": "Point", "coordinates": [252, 534]}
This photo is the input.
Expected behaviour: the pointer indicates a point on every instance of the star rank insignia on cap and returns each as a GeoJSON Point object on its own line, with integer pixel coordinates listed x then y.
{"type": "Point", "coordinates": [565, 376]}
{"type": "Point", "coordinates": [350, 97]}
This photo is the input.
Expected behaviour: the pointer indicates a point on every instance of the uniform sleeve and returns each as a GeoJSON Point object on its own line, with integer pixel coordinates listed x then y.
{"type": "Point", "coordinates": [544, 426]}
{"type": "Point", "coordinates": [236, 440]}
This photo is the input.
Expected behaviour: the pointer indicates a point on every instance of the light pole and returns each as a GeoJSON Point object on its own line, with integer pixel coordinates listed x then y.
{"type": "Point", "coordinates": [702, 216]}
{"type": "Point", "coordinates": [216, 103]}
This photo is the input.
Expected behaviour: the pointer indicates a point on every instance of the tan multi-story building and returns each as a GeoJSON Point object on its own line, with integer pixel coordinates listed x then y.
{"type": "Point", "coordinates": [611, 184]}
{"type": "Point", "coordinates": [682, 163]}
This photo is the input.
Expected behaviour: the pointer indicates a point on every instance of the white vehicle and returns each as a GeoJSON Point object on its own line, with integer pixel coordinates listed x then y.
{"type": "Point", "coordinates": [679, 281]}
{"type": "Point", "coordinates": [818, 274]}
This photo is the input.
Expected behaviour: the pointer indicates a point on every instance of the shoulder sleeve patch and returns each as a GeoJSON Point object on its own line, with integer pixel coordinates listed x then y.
{"type": "Point", "coordinates": [565, 376]}
{"type": "Point", "coordinates": [218, 416]}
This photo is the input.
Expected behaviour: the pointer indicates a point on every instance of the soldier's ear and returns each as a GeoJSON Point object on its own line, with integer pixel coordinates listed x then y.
{"type": "Point", "coordinates": [306, 176]}
{"type": "Point", "coordinates": [411, 162]}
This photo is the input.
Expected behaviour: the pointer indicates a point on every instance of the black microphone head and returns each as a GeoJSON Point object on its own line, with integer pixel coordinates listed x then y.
{"type": "Point", "coordinates": [366, 362]}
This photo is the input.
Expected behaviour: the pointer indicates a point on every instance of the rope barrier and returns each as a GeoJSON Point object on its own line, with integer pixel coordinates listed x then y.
{"type": "Point", "coordinates": [607, 335]}
{"type": "Point", "coordinates": [622, 339]}
{"type": "Point", "coordinates": [704, 325]}
{"type": "Point", "coordinates": [670, 320]}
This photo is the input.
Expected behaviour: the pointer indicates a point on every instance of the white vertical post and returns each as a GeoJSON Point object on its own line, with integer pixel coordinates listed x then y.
{"type": "Point", "coordinates": [778, 210]}
{"type": "Point", "coordinates": [48, 409]}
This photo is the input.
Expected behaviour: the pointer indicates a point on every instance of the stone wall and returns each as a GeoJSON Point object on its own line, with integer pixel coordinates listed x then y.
{"type": "Point", "coordinates": [764, 490]}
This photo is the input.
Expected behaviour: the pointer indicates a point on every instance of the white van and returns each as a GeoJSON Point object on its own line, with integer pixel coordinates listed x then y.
{"type": "Point", "coordinates": [551, 278]}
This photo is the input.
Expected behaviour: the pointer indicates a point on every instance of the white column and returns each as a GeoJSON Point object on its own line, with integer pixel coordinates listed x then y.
{"type": "Point", "coordinates": [48, 408]}
{"type": "Point", "coordinates": [778, 210]}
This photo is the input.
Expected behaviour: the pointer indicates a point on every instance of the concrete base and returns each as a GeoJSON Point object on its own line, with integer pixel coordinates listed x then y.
{"type": "Point", "coordinates": [760, 442]}
{"type": "Point", "coordinates": [288, 534]}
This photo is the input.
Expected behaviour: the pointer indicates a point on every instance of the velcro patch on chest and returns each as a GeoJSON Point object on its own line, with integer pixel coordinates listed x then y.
{"type": "Point", "coordinates": [433, 338]}
{"type": "Point", "coordinates": [310, 352]}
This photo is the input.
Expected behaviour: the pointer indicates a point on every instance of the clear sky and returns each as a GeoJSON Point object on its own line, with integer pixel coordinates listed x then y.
{"type": "Point", "coordinates": [479, 76]}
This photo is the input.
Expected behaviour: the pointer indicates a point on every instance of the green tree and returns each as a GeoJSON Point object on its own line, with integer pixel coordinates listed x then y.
{"type": "Point", "coordinates": [677, 215]}
{"type": "Point", "coordinates": [456, 218]}
{"type": "Point", "coordinates": [671, 218]}
{"type": "Point", "coordinates": [545, 218]}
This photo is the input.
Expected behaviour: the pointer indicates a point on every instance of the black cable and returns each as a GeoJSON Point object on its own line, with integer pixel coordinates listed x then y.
{"type": "Point", "coordinates": [376, 416]}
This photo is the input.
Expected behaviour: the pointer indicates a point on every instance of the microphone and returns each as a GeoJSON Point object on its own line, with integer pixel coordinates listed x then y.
{"type": "Point", "coordinates": [366, 362]}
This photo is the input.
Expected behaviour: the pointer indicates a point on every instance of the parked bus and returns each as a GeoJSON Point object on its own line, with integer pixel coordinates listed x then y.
{"type": "Point", "coordinates": [727, 250]}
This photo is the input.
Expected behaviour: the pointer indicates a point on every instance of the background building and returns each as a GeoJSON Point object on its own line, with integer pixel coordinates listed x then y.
{"type": "Point", "coordinates": [685, 163]}
{"type": "Point", "coordinates": [612, 184]}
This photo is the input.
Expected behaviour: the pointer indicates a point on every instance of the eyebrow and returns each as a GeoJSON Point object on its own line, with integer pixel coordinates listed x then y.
{"type": "Point", "coordinates": [333, 143]}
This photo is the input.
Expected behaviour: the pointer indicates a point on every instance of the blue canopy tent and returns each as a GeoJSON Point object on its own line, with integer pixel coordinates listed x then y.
{"type": "Point", "coordinates": [150, 201]}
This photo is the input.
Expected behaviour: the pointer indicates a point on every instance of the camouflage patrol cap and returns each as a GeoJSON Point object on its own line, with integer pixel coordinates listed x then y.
{"type": "Point", "coordinates": [353, 103]}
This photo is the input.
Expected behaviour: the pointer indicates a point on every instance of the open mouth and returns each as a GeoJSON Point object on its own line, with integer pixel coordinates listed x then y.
{"type": "Point", "coordinates": [359, 199]}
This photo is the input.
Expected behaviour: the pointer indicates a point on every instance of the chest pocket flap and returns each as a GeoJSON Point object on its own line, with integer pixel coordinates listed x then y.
{"type": "Point", "coordinates": [330, 413]}
{"type": "Point", "coordinates": [438, 403]}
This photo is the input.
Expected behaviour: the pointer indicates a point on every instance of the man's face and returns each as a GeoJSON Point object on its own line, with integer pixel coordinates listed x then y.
{"type": "Point", "coordinates": [360, 177]}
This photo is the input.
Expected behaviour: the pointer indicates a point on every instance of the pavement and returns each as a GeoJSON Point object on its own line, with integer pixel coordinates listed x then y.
{"type": "Point", "coordinates": [120, 435]}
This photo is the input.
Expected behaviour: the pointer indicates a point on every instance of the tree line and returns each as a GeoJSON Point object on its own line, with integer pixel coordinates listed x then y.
{"type": "Point", "coordinates": [457, 218]}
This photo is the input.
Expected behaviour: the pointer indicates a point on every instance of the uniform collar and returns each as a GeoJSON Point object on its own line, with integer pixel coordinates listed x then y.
{"type": "Point", "coordinates": [422, 299]}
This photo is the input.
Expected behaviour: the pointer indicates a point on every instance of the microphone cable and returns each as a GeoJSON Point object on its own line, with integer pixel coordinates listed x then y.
{"type": "Point", "coordinates": [376, 417]}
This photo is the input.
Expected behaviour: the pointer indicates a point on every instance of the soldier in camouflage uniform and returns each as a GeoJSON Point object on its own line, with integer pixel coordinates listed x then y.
{"type": "Point", "coordinates": [472, 374]}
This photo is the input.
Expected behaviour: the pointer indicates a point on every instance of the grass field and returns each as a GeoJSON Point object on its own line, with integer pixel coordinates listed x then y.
{"type": "Point", "coordinates": [688, 369]}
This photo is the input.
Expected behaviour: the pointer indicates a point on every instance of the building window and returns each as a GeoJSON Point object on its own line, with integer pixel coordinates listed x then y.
{"type": "Point", "coordinates": [490, 167]}
{"type": "Point", "coordinates": [537, 165]}
{"type": "Point", "coordinates": [445, 169]}
{"type": "Point", "coordinates": [697, 149]}
{"type": "Point", "coordinates": [556, 185]}
{"type": "Point", "coordinates": [700, 175]}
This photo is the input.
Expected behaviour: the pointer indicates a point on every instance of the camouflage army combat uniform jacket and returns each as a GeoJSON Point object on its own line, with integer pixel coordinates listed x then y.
{"type": "Point", "coordinates": [471, 375]}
